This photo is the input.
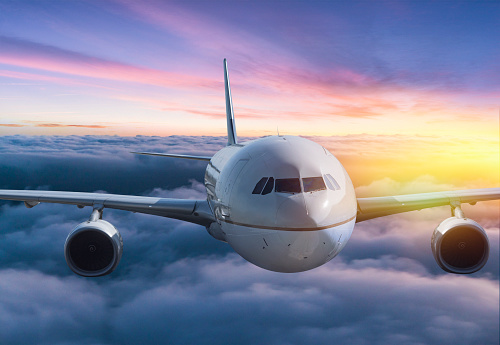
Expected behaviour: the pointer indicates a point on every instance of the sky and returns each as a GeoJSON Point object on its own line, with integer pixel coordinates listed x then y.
{"type": "Point", "coordinates": [310, 68]}
{"type": "Point", "coordinates": [404, 93]}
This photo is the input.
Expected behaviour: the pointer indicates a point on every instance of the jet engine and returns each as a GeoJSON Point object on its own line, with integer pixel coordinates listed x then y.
{"type": "Point", "coordinates": [460, 245]}
{"type": "Point", "coordinates": [94, 248]}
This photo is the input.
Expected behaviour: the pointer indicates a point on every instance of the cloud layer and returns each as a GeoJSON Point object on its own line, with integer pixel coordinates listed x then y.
{"type": "Point", "coordinates": [178, 285]}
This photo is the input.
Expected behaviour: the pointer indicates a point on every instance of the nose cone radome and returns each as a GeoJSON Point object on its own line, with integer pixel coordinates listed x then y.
{"type": "Point", "coordinates": [320, 208]}
{"type": "Point", "coordinates": [292, 213]}
{"type": "Point", "coordinates": [303, 211]}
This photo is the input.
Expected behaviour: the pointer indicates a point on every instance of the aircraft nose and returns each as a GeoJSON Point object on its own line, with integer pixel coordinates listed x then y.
{"type": "Point", "coordinates": [318, 206]}
{"type": "Point", "coordinates": [293, 213]}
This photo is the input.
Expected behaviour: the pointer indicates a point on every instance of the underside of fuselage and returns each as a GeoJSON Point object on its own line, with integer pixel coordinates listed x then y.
{"type": "Point", "coordinates": [288, 251]}
{"type": "Point", "coordinates": [283, 203]}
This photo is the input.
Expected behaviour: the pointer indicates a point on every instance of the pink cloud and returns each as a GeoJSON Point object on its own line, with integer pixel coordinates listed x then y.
{"type": "Point", "coordinates": [33, 55]}
{"type": "Point", "coordinates": [202, 31]}
{"type": "Point", "coordinates": [278, 76]}
{"type": "Point", "coordinates": [11, 125]}
{"type": "Point", "coordinates": [56, 125]}
{"type": "Point", "coordinates": [41, 77]}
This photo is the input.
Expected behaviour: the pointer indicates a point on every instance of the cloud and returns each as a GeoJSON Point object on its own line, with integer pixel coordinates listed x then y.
{"type": "Point", "coordinates": [271, 69]}
{"type": "Point", "coordinates": [53, 309]}
{"type": "Point", "coordinates": [57, 125]}
{"type": "Point", "coordinates": [355, 304]}
{"type": "Point", "coordinates": [310, 62]}
{"type": "Point", "coordinates": [56, 162]}
{"type": "Point", "coordinates": [203, 34]}
{"type": "Point", "coordinates": [25, 53]}
{"type": "Point", "coordinates": [389, 186]}
{"type": "Point", "coordinates": [176, 284]}
{"type": "Point", "coordinates": [334, 76]}
{"type": "Point", "coordinates": [45, 78]}
{"type": "Point", "coordinates": [406, 240]}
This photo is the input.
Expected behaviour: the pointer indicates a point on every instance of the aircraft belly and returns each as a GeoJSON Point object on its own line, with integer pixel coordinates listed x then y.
{"type": "Point", "coordinates": [287, 251]}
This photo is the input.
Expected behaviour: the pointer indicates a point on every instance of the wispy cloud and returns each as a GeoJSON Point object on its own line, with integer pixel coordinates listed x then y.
{"type": "Point", "coordinates": [57, 125]}
{"type": "Point", "coordinates": [19, 52]}
{"type": "Point", "coordinates": [45, 78]}
{"type": "Point", "coordinates": [11, 125]}
{"type": "Point", "coordinates": [300, 63]}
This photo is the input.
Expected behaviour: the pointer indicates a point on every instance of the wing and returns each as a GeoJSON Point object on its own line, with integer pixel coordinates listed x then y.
{"type": "Point", "coordinates": [369, 208]}
{"type": "Point", "coordinates": [194, 211]}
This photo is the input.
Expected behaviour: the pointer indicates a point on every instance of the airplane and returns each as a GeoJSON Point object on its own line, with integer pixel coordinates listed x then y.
{"type": "Point", "coordinates": [283, 203]}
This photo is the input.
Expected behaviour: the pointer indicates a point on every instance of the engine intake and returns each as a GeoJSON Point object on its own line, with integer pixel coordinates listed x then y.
{"type": "Point", "coordinates": [93, 248]}
{"type": "Point", "coordinates": [460, 245]}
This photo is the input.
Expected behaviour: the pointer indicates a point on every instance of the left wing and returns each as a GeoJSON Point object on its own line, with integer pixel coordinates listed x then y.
{"type": "Point", "coordinates": [369, 208]}
{"type": "Point", "coordinates": [194, 211]}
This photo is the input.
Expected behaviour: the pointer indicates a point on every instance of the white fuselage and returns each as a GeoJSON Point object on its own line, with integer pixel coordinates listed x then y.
{"type": "Point", "coordinates": [284, 203]}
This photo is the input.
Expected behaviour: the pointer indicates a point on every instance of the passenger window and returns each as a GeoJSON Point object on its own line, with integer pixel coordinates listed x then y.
{"type": "Point", "coordinates": [260, 185]}
{"type": "Point", "coordinates": [287, 185]}
{"type": "Point", "coordinates": [269, 186]}
{"type": "Point", "coordinates": [333, 181]}
{"type": "Point", "coordinates": [312, 184]}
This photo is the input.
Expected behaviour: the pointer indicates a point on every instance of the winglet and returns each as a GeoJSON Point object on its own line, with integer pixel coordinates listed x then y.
{"type": "Point", "coordinates": [231, 128]}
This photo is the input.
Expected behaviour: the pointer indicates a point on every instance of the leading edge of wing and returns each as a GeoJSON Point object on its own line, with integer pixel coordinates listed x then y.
{"type": "Point", "coordinates": [369, 208]}
{"type": "Point", "coordinates": [199, 158]}
{"type": "Point", "coordinates": [194, 211]}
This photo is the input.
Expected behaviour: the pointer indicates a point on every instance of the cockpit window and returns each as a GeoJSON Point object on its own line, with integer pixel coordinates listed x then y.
{"type": "Point", "coordinates": [287, 185]}
{"type": "Point", "coordinates": [312, 184]}
{"type": "Point", "coordinates": [292, 185]}
{"type": "Point", "coordinates": [332, 183]}
{"type": "Point", "coordinates": [329, 183]}
{"type": "Point", "coordinates": [269, 186]}
{"type": "Point", "coordinates": [260, 185]}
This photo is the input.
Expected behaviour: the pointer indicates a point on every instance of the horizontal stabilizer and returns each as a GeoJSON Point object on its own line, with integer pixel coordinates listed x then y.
{"type": "Point", "coordinates": [199, 158]}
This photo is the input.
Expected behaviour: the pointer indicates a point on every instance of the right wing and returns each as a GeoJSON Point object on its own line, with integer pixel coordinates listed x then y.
{"type": "Point", "coordinates": [194, 211]}
{"type": "Point", "coordinates": [369, 208]}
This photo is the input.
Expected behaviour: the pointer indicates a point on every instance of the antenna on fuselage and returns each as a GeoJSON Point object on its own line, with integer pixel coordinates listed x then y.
{"type": "Point", "coordinates": [231, 128]}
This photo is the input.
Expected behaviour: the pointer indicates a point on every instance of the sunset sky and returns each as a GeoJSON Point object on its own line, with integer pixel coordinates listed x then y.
{"type": "Point", "coordinates": [405, 93]}
{"type": "Point", "coordinates": [326, 68]}
{"type": "Point", "coordinates": [384, 68]}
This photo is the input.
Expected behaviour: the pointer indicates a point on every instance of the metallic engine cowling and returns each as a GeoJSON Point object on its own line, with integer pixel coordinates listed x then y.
{"type": "Point", "coordinates": [93, 248]}
{"type": "Point", "coordinates": [460, 245]}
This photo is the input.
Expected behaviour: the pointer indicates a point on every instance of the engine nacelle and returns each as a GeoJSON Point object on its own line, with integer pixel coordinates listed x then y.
{"type": "Point", "coordinates": [93, 248]}
{"type": "Point", "coordinates": [460, 245]}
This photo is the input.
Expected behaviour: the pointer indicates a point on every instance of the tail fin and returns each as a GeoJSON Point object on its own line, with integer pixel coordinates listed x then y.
{"type": "Point", "coordinates": [231, 128]}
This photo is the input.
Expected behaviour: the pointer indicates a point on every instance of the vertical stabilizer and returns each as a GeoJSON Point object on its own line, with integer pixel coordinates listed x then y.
{"type": "Point", "coordinates": [231, 128]}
